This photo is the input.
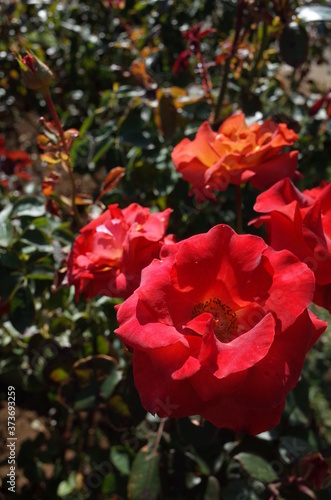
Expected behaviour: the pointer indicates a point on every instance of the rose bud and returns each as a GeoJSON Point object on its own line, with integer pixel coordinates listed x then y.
{"type": "Point", "coordinates": [35, 74]}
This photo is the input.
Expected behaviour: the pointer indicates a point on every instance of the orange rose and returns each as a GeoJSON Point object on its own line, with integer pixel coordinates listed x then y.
{"type": "Point", "coordinates": [235, 154]}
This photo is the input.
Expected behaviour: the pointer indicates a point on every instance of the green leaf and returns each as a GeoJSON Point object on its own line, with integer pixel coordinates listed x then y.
{"type": "Point", "coordinates": [256, 467]}
{"type": "Point", "coordinates": [118, 407]}
{"type": "Point", "coordinates": [32, 207]}
{"type": "Point", "coordinates": [8, 283]}
{"type": "Point", "coordinates": [143, 4]}
{"type": "Point", "coordinates": [10, 260]}
{"type": "Point", "coordinates": [86, 399]}
{"type": "Point", "coordinates": [59, 374]}
{"type": "Point", "coordinates": [63, 233]}
{"type": "Point", "coordinates": [213, 489]}
{"type": "Point", "coordinates": [108, 385]}
{"type": "Point", "coordinates": [36, 236]}
{"type": "Point", "coordinates": [119, 457]}
{"type": "Point", "coordinates": [102, 345]}
{"type": "Point", "coordinates": [109, 484]}
{"type": "Point", "coordinates": [203, 467]}
{"type": "Point", "coordinates": [86, 125]}
{"type": "Point", "coordinates": [41, 273]}
{"type": "Point", "coordinates": [80, 150]}
{"type": "Point", "coordinates": [239, 490]}
{"type": "Point", "coordinates": [144, 481]}
{"type": "Point", "coordinates": [22, 309]}
{"type": "Point", "coordinates": [314, 13]}
{"type": "Point", "coordinates": [91, 380]}
{"type": "Point", "coordinates": [66, 487]}
{"type": "Point", "coordinates": [293, 448]}
{"type": "Point", "coordinates": [102, 148]}
{"type": "Point", "coordinates": [6, 233]}
{"type": "Point", "coordinates": [4, 214]}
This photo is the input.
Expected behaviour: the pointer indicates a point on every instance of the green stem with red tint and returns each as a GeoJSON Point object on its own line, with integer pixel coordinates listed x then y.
{"type": "Point", "coordinates": [206, 83]}
{"type": "Point", "coordinates": [224, 80]}
{"type": "Point", "coordinates": [158, 436]}
{"type": "Point", "coordinates": [239, 210]}
{"type": "Point", "coordinates": [59, 128]}
{"type": "Point", "coordinates": [55, 117]}
{"type": "Point", "coordinates": [255, 69]}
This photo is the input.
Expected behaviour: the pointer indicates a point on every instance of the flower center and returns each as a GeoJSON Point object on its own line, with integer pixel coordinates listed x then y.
{"type": "Point", "coordinates": [224, 318]}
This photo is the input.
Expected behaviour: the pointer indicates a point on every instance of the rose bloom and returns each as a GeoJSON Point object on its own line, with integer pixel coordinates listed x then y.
{"type": "Point", "coordinates": [235, 154]}
{"type": "Point", "coordinates": [220, 327]}
{"type": "Point", "coordinates": [301, 222]}
{"type": "Point", "coordinates": [110, 252]}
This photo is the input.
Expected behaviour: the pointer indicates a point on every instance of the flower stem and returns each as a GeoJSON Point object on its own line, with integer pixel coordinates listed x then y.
{"type": "Point", "coordinates": [159, 435]}
{"type": "Point", "coordinates": [69, 168]}
{"type": "Point", "coordinates": [206, 83]}
{"type": "Point", "coordinates": [224, 80]}
{"type": "Point", "coordinates": [239, 210]}
{"type": "Point", "coordinates": [260, 52]}
{"type": "Point", "coordinates": [55, 117]}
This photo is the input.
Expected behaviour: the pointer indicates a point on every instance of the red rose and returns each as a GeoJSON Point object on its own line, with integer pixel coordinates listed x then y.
{"type": "Point", "coordinates": [234, 155]}
{"type": "Point", "coordinates": [220, 327]}
{"type": "Point", "coordinates": [4, 308]}
{"type": "Point", "coordinates": [301, 222]}
{"type": "Point", "coordinates": [110, 252]}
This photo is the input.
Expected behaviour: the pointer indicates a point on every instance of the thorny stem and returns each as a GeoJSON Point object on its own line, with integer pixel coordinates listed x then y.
{"type": "Point", "coordinates": [205, 77]}
{"type": "Point", "coordinates": [59, 128]}
{"type": "Point", "coordinates": [55, 117]}
{"type": "Point", "coordinates": [239, 210]}
{"type": "Point", "coordinates": [224, 80]}
{"type": "Point", "coordinates": [159, 435]}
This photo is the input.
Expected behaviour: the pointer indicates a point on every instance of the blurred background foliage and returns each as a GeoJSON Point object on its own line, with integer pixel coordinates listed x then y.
{"type": "Point", "coordinates": [82, 432]}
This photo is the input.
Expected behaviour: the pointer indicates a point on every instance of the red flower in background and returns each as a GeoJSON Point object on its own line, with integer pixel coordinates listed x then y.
{"type": "Point", "coordinates": [315, 471]}
{"type": "Point", "coordinates": [235, 154]}
{"type": "Point", "coordinates": [110, 252]}
{"type": "Point", "coordinates": [325, 99]}
{"type": "Point", "coordinates": [193, 36]}
{"type": "Point", "coordinates": [301, 222]}
{"type": "Point", "coordinates": [220, 327]}
{"type": "Point", "coordinates": [13, 165]}
{"type": "Point", "coordinates": [4, 308]}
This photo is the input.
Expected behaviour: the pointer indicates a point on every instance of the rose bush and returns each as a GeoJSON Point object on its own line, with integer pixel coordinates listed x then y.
{"type": "Point", "coordinates": [301, 222]}
{"type": "Point", "coordinates": [220, 327]}
{"type": "Point", "coordinates": [235, 154]}
{"type": "Point", "coordinates": [13, 167]}
{"type": "Point", "coordinates": [110, 252]}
